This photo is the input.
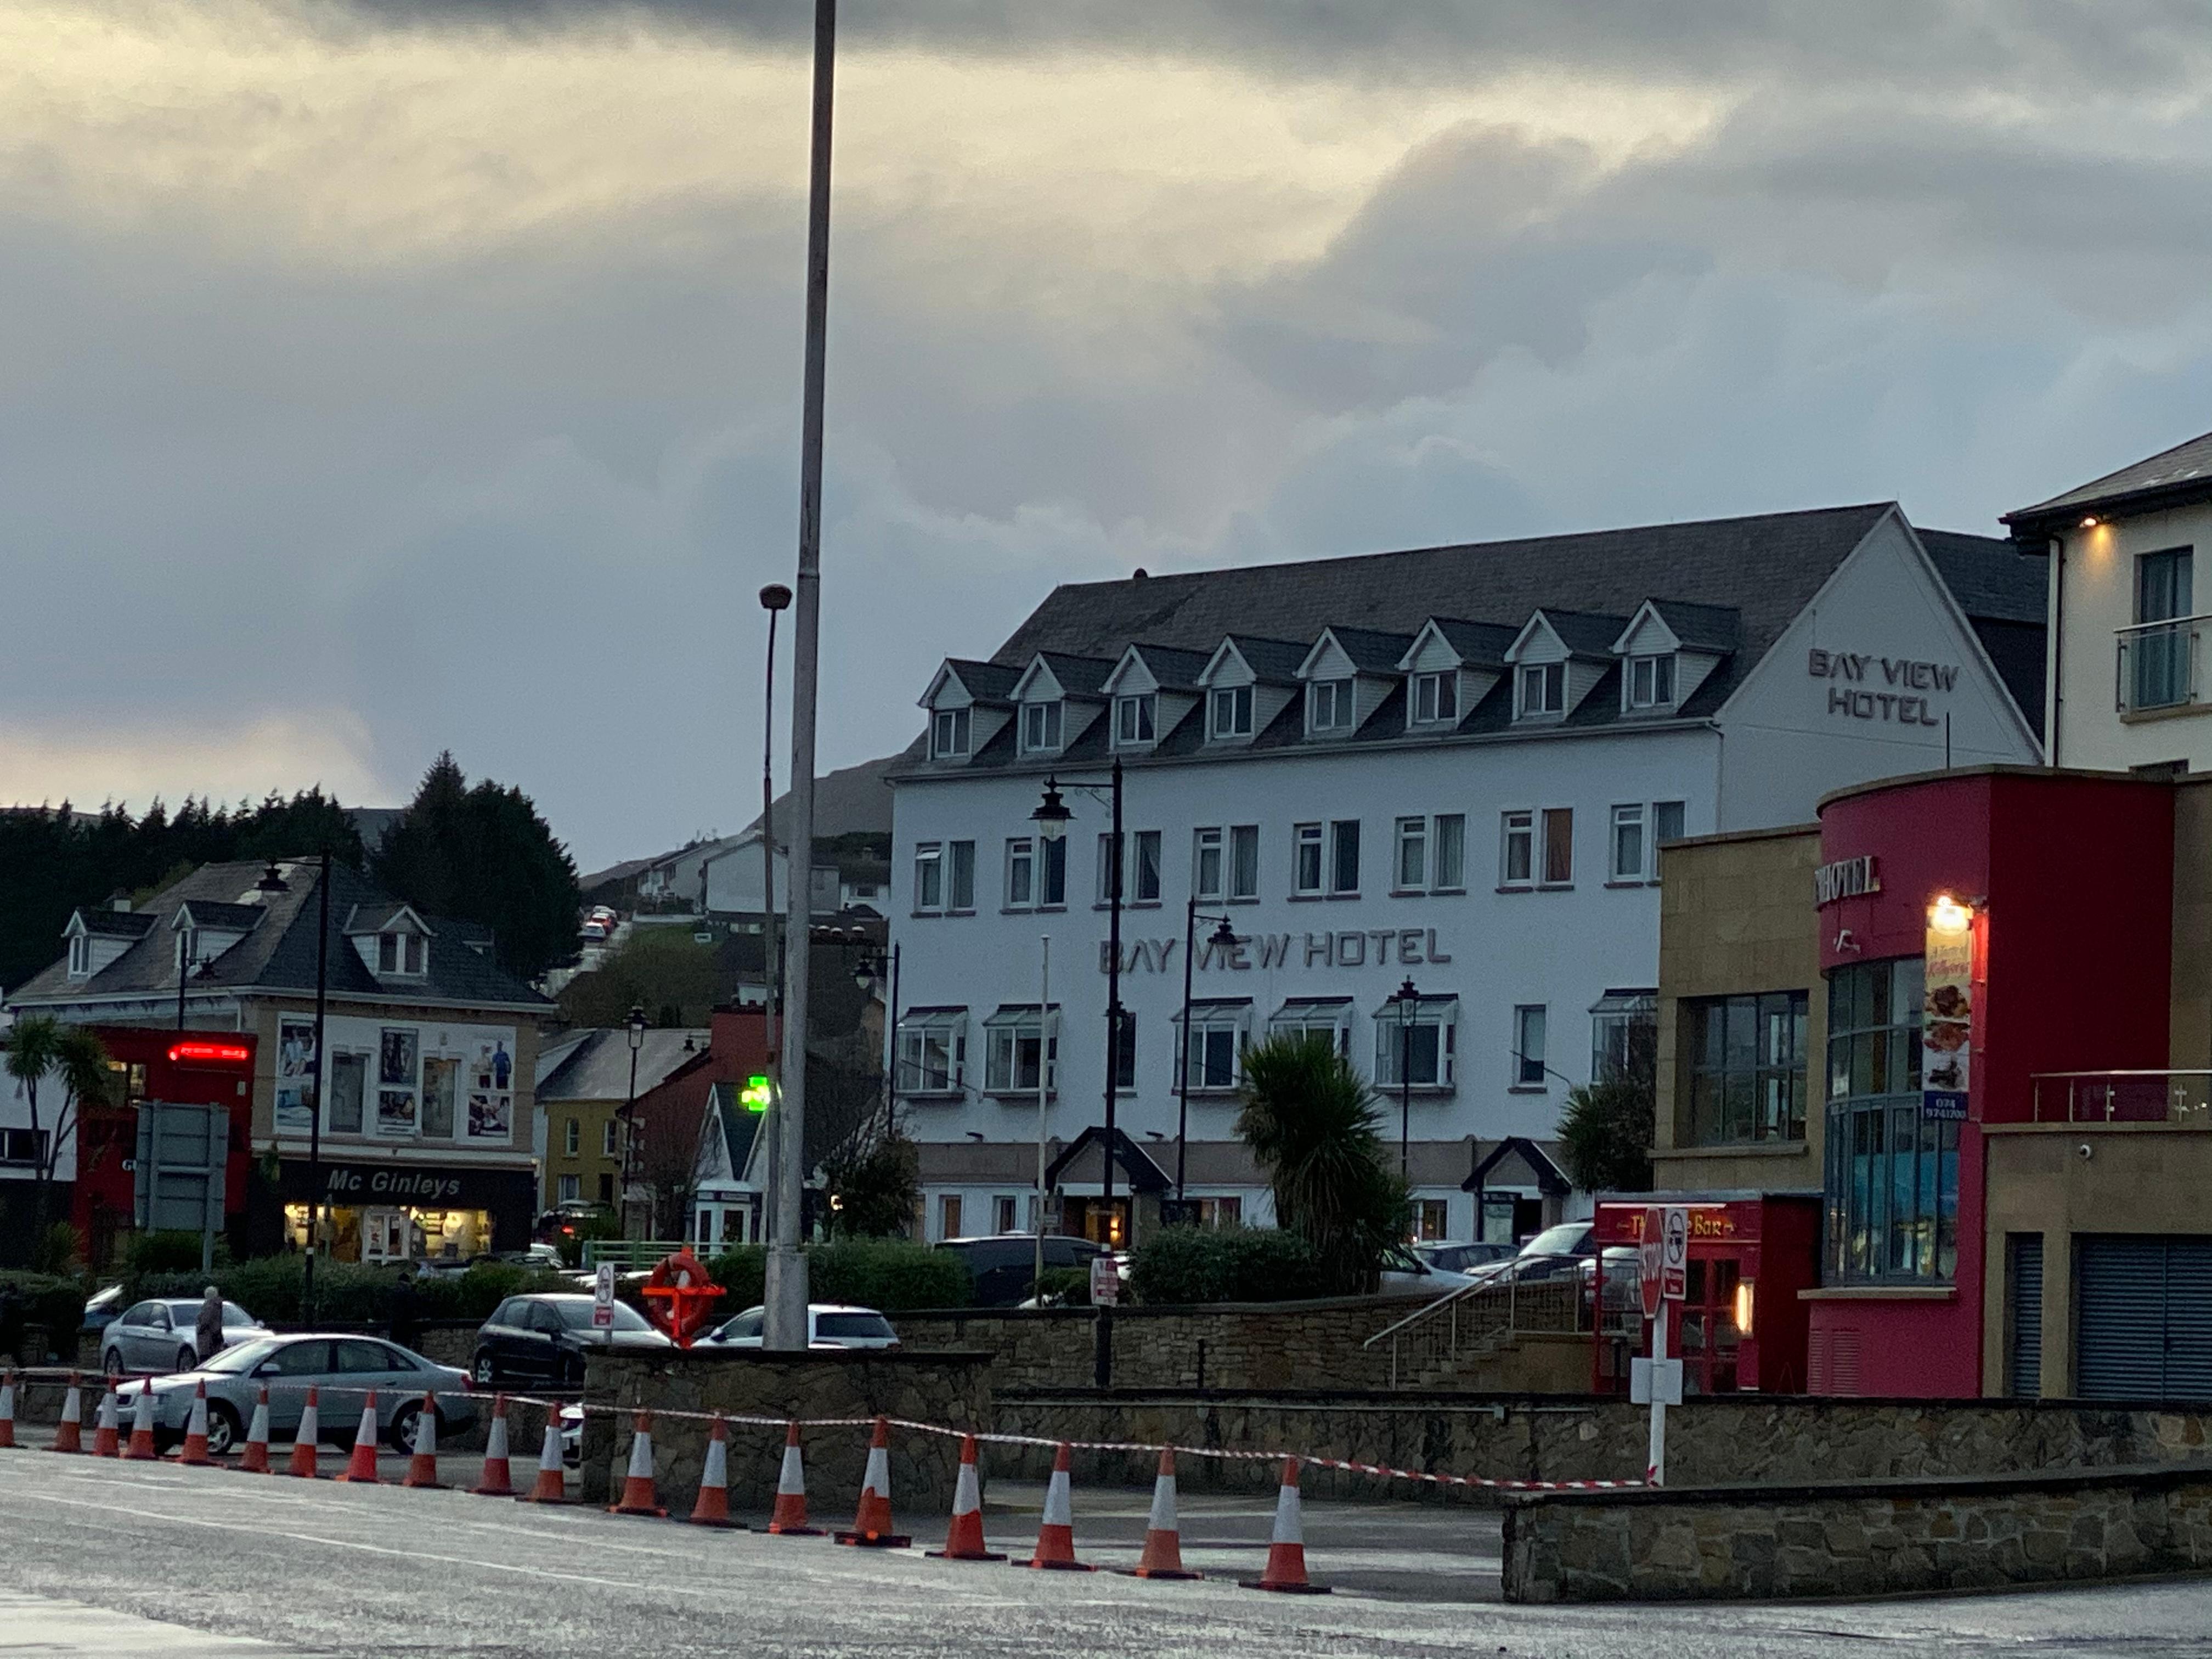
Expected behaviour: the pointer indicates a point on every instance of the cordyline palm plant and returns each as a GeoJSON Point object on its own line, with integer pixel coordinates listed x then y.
{"type": "Point", "coordinates": [1310, 1120]}
{"type": "Point", "coordinates": [42, 1049]}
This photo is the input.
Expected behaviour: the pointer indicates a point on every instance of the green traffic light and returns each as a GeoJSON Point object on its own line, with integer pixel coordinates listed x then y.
{"type": "Point", "coordinates": [756, 1095]}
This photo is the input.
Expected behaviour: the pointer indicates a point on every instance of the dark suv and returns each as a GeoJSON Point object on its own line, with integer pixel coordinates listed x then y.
{"type": "Point", "coordinates": [543, 1339]}
{"type": "Point", "coordinates": [1003, 1266]}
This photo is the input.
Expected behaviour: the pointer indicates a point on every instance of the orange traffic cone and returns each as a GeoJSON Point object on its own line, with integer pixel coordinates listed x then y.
{"type": "Point", "coordinates": [1286, 1550]}
{"type": "Point", "coordinates": [1163, 1557]}
{"type": "Point", "coordinates": [788, 1519]}
{"type": "Point", "coordinates": [712, 1508]}
{"type": "Point", "coordinates": [1055, 1544]}
{"type": "Point", "coordinates": [552, 1486]}
{"type": "Point", "coordinates": [107, 1431]}
{"type": "Point", "coordinates": [255, 1458]}
{"type": "Point", "coordinates": [306, 1440]}
{"type": "Point", "coordinates": [7, 1413]}
{"type": "Point", "coordinates": [422, 1466]}
{"type": "Point", "coordinates": [68, 1433]}
{"type": "Point", "coordinates": [140, 1449]}
{"type": "Point", "coordinates": [638, 1496]}
{"type": "Point", "coordinates": [194, 1449]}
{"type": "Point", "coordinates": [361, 1467]}
{"type": "Point", "coordinates": [965, 1540]}
{"type": "Point", "coordinates": [872, 1527]}
{"type": "Point", "coordinates": [498, 1479]}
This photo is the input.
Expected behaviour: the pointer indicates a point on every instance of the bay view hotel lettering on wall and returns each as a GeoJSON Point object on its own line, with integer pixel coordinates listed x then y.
{"type": "Point", "coordinates": [1857, 669]}
{"type": "Point", "coordinates": [1449, 769]}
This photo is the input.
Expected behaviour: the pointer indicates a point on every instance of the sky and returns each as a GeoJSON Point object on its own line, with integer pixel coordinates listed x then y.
{"type": "Point", "coordinates": [402, 375]}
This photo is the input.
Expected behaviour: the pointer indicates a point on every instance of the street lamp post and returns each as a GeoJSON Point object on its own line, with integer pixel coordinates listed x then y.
{"type": "Point", "coordinates": [634, 1026]}
{"type": "Point", "coordinates": [775, 598]}
{"type": "Point", "coordinates": [318, 1070]}
{"type": "Point", "coordinates": [1224, 938]}
{"type": "Point", "coordinates": [1409, 1001]}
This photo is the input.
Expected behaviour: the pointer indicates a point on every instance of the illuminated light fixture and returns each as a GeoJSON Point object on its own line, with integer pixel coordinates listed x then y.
{"type": "Point", "coordinates": [2090, 523]}
{"type": "Point", "coordinates": [1948, 915]}
{"type": "Point", "coordinates": [1743, 1307]}
{"type": "Point", "coordinates": [207, 1053]}
{"type": "Point", "coordinates": [757, 1094]}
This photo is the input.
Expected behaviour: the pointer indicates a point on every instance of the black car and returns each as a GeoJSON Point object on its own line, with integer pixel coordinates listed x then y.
{"type": "Point", "coordinates": [1002, 1266]}
{"type": "Point", "coordinates": [543, 1339]}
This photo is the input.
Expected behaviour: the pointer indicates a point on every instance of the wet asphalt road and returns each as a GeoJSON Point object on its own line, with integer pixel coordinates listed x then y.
{"type": "Point", "coordinates": [327, 1568]}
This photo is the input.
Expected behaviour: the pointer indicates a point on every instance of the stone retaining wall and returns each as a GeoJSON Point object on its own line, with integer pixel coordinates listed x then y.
{"type": "Point", "coordinates": [952, 1388]}
{"type": "Point", "coordinates": [1857, 1539]}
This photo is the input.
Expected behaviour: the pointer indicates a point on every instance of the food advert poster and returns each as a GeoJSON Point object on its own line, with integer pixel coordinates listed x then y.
{"type": "Point", "coordinates": [1947, 1023]}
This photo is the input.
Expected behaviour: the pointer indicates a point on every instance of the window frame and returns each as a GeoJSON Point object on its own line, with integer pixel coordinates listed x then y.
{"type": "Point", "coordinates": [1342, 698]}
{"type": "Point", "coordinates": [951, 733]}
{"type": "Point", "coordinates": [1438, 1013]}
{"type": "Point", "coordinates": [1308, 839]}
{"type": "Point", "coordinates": [1236, 866]}
{"type": "Point", "coordinates": [1516, 828]}
{"type": "Point", "coordinates": [1456, 840]}
{"type": "Point", "coordinates": [1209, 1021]}
{"type": "Point", "coordinates": [914, 1031]}
{"type": "Point", "coordinates": [1887, 1041]}
{"type": "Point", "coordinates": [1004, 1033]}
{"type": "Point", "coordinates": [1433, 698]}
{"type": "Point", "coordinates": [1561, 875]}
{"type": "Point", "coordinates": [572, 1138]}
{"type": "Point", "coordinates": [1333, 1016]}
{"type": "Point", "coordinates": [1241, 705]}
{"type": "Point", "coordinates": [1649, 679]}
{"type": "Point", "coordinates": [1047, 714]}
{"type": "Point", "coordinates": [1530, 1073]}
{"type": "Point", "coordinates": [960, 879]}
{"type": "Point", "coordinates": [1704, 1077]}
{"type": "Point", "coordinates": [610, 1138]}
{"type": "Point", "coordinates": [1549, 680]}
{"type": "Point", "coordinates": [1628, 817]}
{"type": "Point", "coordinates": [1136, 719]}
{"type": "Point", "coordinates": [1344, 858]}
{"type": "Point", "coordinates": [1411, 837]}
{"type": "Point", "coordinates": [1020, 854]}
{"type": "Point", "coordinates": [928, 874]}
{"type": "Point", "coordinates": [1215, 888]}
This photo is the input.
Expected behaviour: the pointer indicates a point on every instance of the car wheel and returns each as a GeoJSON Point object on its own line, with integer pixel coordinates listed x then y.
{"type": "Point", "coordinates": [401, 1432]}
{"type": "Point", "coordinates": [188, 1360]}
{"type": "Point", "coordinates": [111, 1362]}
{"type": "Point", "coordinates": [222, 1429]}
{"type": "Point", "coordinates": [484, 1371]}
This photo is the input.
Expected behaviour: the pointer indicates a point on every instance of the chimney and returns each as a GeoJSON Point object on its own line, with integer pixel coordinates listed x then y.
{"type": "Point", "coordinates": [120, 901]}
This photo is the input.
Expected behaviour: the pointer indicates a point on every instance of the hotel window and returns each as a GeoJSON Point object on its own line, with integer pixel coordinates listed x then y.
{"type": "Point", "coordinates": [570, 1189]}
{"type": "Point", "coordinates": [1558, 846]}
{"type": "Point", "coordinates": [1528, 1021]}
{"type": "Point", "coordinates": [948, 733]}
{"type": "Point", "coordinates": [572, 1140]}
{"type": "Point", "coordinates": [1650, 682]}
{"type": "Point", "coordinates": [1543, 689]}
{"type": "Point", "coordinates": [962, 883]}
{"type": "Point", "coordinates": [1216, 1036]}
{"type": "Point", "coordinates": [1206, 867]}
{"type": "Point", "coordinates": [1328, 706]}
{"type": "Point", "coordinates": [1344, 858]}
{"type": "Point", "coordinates": [80, 963]}
{"type": "Point", "coordinates": [1516, 849]}
{"type": "Point", "coordinates": [1328, 1018]}
{"type": "Point", "coordinates": [1747, 1068]}
{"type": "Point", "coordinates": [1231, 712]}
{"type": "Point", "coordinates": [1411, 873]}
{"type": "Point", "coordinates": [1135, 719]}
{"type": "Point", "coordinates": [1305, 859]}
{"type": "Point", "coordinates": [1021, 873]}
{"type": "Point", "coordinates": [1893, 1175]}
{"type": "Point", "coordinates": [1140, 882]}
{"type": "Point", "coordinates": [1040, 727]}
{"type": "Point", "coordinates": [1124, 1053]}
{"type": "Point", "coordinates": [1052, 875]}
{"type": "Point", "coordinates": [1624, 1034]}
{"type": "Point", "coordinates": [929, 877]}
{"type": "Point", "coordinates": [1431, 855]}
{"type": "Point", "coordinates": [1016, 1043]}
{"type": "Point", "coordinates": [1424, 1040]}
{"type": "Point", "coordinates": [387, 953]}
{"type": "Point", "coordinates": [1435, 698]}
{"type": "Point", "coordinates": [1629, 851]}
{"type": "Point", "coordinates": [932, 1051]}
{"type": "Point", "coordinates": [1666, 825]}
{"type": "Point", "coordinates": [1244, 860]}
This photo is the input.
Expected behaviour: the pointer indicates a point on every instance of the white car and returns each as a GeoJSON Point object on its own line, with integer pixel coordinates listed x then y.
{"type": "Point", "coordinates": [159, 1335]}
{"type": "Point", "coordinates": [1405, 1273]}
{"type": "Point", "coordinates": [829, 1325]}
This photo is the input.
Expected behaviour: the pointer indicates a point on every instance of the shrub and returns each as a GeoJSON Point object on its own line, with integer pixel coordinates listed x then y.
{"type": "Point", "coordinates": [1186, 1266]}
{"type": "Point", "coordinates": [351, 1293]}
{"type": "Point", "coordinates": [55, 1302]}
{"type": "Point", "coordinates": [61, 1252]}
{"type": "Point", "coordinates": [172, 1253]}
{"type": "Point", "coordinates": [1063, 1287]}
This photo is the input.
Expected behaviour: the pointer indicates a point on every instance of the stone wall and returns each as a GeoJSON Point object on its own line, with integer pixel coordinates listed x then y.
{"type": "Point", "coordinates": [951, 1389]}
{"type": "Point", "coordinates": [1749, 1437]}
{"type": "Point", "coordinates": [1857, 1539]}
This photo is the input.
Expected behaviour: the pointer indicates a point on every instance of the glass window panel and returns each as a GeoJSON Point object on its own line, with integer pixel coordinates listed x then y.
{"type": "Point", "coordinates": [1244, 861]}
{"type": "Point", "coordinates": [1451, 851]}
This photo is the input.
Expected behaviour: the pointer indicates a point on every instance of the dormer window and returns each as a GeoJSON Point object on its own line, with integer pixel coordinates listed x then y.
{"type": "Point", "coordinates": [948, 733]}
{"type": "Point", "coordinates": [401, 954]}
{"type": "Point", "coordinates": [1328, 706]}
{"type": "Point", "coordinates": [1436, 699]}
{"type": "Point", "coordinates": [1040, 727]}
{"type": "Point", "coordinates": [80, 963]}
{"type": "Point", "coordinates": [1229, 712]}
{"type": "Point", "coordinates": [1543, 690]}
{"type": "Point", "coordinates": [1136, 719]}
{"type": "Point", "coordinates": [1651, 682]}
{"type": "Point", "coordinates": [188, 947]}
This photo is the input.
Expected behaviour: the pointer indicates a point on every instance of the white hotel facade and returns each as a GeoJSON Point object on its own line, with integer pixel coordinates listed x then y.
{"type": "Point", "coordinates": [1451, 767]}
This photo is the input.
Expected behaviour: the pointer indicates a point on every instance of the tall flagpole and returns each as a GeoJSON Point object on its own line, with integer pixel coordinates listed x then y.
{"type": "Point", "coordinates": [785, 1296]}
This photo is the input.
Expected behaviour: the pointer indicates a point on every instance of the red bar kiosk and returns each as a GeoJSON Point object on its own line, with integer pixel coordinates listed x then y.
{"type": "Point", "coordinates": [1741, 1325]}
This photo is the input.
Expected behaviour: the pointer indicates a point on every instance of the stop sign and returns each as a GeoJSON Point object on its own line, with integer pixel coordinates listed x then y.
{"type": "Point", "coordinates": [1651, 1258]}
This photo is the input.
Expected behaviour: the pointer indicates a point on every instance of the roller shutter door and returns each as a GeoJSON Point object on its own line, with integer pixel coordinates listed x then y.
{"type": "Point", "coordinates": [2144, 1323]}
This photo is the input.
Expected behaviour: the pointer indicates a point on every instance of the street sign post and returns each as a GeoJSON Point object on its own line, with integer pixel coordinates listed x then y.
{"type": "Point", "coordinates": [1663, 1272]}
{"type": "Point", "coordinates": [177, 1174]}
{"type": "Point", "coordinates": [1650, 1258]}
{"type": "Point", "coordinates": [1674, 1260]}
{"type": "Point", "coordinates": [603, 1298]}
{"type": "Point", "coordinates": [1105, 1282]}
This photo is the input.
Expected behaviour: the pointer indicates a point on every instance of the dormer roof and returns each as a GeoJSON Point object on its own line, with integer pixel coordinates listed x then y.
{"type": "Point", "coordinates": [1580, 633]}
{"type": "Point", "coordinates": [1168, 668]}
{"type": "Point", "coordinates": [1477, 645]}
{"type": "Point", "coordinates": [1710, 628]}
{"type": "Point", "coordinates": [385, 919]}
{"type": "Point", "coordinates": [217, 915]}
{"type": "Point", "coordinates": [109, 924]}
{"type": "Point", "coordinates": [983, 682]}
{"type": "Point", "coordinates": [1368, 650]}
{"type": "Point", "coordinates": [1061, 675]}
{"type": "Point", "coordinates": [1272, 662]}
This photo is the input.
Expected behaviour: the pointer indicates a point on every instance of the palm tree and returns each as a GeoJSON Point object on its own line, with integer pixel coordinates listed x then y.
{"type": "Point", "coordinates": [1310, 1120]}
{"type": "Point", "coordinates": [78, 1061]}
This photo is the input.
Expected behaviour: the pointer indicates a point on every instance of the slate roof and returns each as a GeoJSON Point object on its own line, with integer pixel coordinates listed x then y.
{"type": "Point", "coordinates": [1477, 643]}
{"type": "Point", "coordinates": [990, 682]}
{"type": "Point", "coordinates": [1177, 670]}
{"type": "Point", "coordinates": [1702, 627]}
{"type": "Point", "coordinates": [116, 924]}
{"type": "Point", "coordinates": [597, 1069]}
{"type": "Point", "coordinates": [2182, 472]}
{"type": "Point", "coordinates": [1371, 651]}
{"type": "Point", "coordinates": [213, 913]}
{"type": "Point", "coordinates": [1583, 634]}
{"type": "Point", "coordinates": [1272, 662]}
{"type": "Point", "coordinates": [1082, 676]}
{"type": "Point", "coordinates": [277, 953]}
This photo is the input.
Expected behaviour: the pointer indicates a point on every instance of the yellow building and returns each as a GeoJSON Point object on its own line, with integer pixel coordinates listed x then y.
{"type": "Point", "coordinates": [585, 1080]}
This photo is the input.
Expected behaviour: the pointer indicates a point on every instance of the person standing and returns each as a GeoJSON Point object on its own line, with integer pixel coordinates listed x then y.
{"type": "Point", "coordinates": [206, 1331]}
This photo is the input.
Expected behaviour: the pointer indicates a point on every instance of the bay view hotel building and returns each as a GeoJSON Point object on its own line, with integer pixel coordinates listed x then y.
{"type": "Point", "coordinates": [1447, 769]}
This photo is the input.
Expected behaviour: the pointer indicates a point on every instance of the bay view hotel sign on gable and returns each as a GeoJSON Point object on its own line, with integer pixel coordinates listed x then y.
{"type": "Point", "coordinates": [1447, 768]}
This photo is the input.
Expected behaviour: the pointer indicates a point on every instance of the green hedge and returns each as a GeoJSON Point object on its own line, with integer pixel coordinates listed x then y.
{"type": "Point", "coordinates": [1183, 1267]}
{"type": "Point", "coordinates": [350, 1292]}
{"type": "Point", "coordinates": [891, 1275]}
{"type": "Point", "coordinates": [54, 1301]}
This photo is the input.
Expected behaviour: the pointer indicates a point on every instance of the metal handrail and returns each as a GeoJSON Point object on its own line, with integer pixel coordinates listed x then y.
{"type": "Point", "coordinates": [2125, 1095]}
{"type": "Point", "coordinates": [1502, 1287]}
{"type": "Point", "coordinates": [2163, 621]}
{"type": "Point", "coordinates": [2126, 1071]}
{"type": "Point", "coordinates": [2127, 685]}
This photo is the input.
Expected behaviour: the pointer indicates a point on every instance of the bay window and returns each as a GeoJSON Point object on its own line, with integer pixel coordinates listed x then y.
{"type": "Point", "coordinates": [1328, 1018]}
{"type": "Point", "coordinates": [1416, 1041]}
{"type": "Point", "coordinates": [1213, 1044]}
{"type": "Point", "coordinates": [1018, 1040]}
{"type": "Point", "coordinates": [932, 1051]}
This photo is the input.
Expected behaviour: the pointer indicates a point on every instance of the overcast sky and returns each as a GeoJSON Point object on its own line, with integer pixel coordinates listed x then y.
{"type": "Point", "coordinates": [417, 374]}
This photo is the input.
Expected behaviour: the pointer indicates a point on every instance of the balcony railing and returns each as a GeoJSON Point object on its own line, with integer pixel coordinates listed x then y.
{"type": "Point", "coordinates": [2181, 1099]}
{"type": "Point", "coordinates": [2154, 665]}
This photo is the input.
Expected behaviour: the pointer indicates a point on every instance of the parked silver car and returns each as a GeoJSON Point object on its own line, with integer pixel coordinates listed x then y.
{"type": "Point", "coordinates": [343, 1367]}
{"type": "Point", "coordinates": [157, 1336]}
{"type": "Point", "coordinates": [829, 1325]}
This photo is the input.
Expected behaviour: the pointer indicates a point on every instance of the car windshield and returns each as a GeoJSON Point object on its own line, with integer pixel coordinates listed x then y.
{"type": "Point", "coordinates": [577, 1316]}
{"type": "Point", "coordinates": [1565, 1239]}
{"type": "Point", "coordinates": [853, 1325]}
{"type": "Point", "coordinates": [242, 1358]}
